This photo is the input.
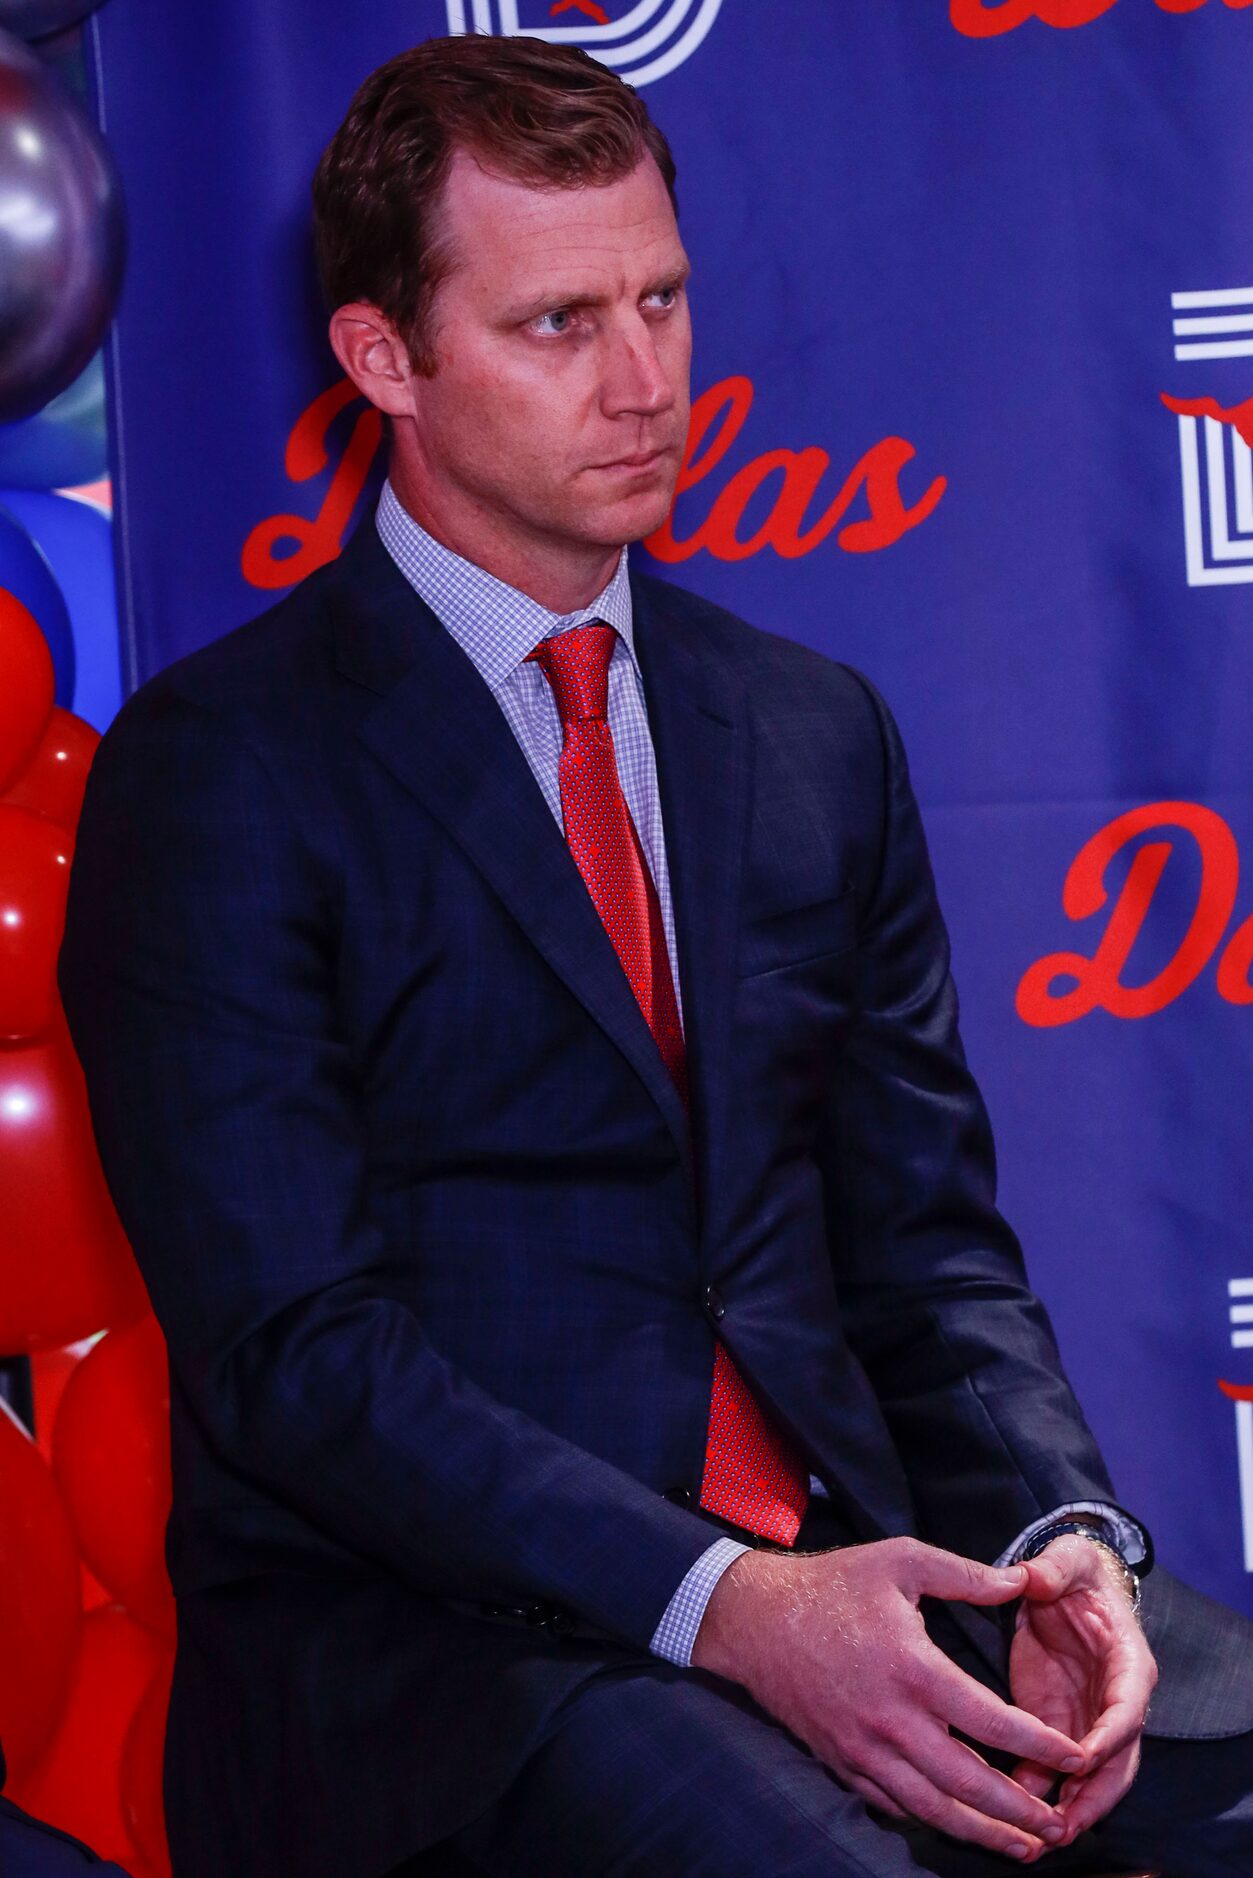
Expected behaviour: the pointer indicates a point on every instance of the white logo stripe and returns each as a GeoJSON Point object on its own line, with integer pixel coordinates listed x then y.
{"type": "Point", "coordinates": [1216, 323]}
{"type": "Point", "coordinates": [1240, 1287]}
{"type": "Point", "coordinates": [1244, 1448]}
{"type": "Point", "coordinates": [1222, 296]}
{"type": "Point", "coordinates": [695, 36]}
{"type": "Point", "coordinates": [647, 42]}
{"type": "Point", "coordinates": [1242, 459]}
{"type": "Point", "coordinates": [1217, 349]}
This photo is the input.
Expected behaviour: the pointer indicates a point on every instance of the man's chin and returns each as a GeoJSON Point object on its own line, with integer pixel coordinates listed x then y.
{"type": "Point", "coordinates": [634, 518]}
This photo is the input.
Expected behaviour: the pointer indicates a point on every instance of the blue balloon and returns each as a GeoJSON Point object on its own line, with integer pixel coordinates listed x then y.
{"type": "Point", "coordinates": [63, 445]}
{"type": "Point", "coordinates": [77, 542]}
{"type": "Point", "coordinates": [25, 573]}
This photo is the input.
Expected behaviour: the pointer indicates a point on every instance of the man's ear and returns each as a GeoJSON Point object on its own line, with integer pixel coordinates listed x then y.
{"type": "Point", "coordinates": [374, 356]}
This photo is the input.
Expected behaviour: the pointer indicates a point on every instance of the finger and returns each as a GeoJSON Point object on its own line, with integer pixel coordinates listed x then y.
{"type": "Point", "coordinates": [1116, 1730]}
{"type": "Point", "coordinates": [958, 1580]}
{"type": "Point", "coordinates": [1121, 1721]}
{"type": "Point", "coordinates": [875, 1795]}
{"type": "Point", "coordinates": [965, 1704]}
{"type": "Point", "coordinates": [923, 1801]}
{"type": "Point", "coordinates": [1082, 1803]}
{"type": "Point", "coordinates": [956, 1770]}
{"type": "Point", "coordinates": [1034, 1779]}
{"type": "Point", "coordinates": [1130, 1672]}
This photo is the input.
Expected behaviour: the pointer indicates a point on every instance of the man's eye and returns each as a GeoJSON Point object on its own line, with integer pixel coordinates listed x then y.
{"type": "Point", "coordinates": [559, 320]}
{"type": "Point", "coordinates": [664, 297]}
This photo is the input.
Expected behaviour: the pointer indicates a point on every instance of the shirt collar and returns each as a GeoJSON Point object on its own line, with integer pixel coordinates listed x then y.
{"type": "Point", "coordinates": [495, 624]}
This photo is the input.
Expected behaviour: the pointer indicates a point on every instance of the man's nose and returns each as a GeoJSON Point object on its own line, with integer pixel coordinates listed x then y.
{"type": "Point", "coordinates": [635, 377]}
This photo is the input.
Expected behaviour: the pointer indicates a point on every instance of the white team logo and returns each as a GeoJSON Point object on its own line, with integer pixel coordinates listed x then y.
{"type": "Point", "coordinates": [1215, 458]}
{"type": "Point", "coordinates": [650, 39]}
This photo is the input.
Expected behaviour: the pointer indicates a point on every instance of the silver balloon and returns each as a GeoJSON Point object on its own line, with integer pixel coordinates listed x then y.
{"type": "Point", "coordinates": [62, 235]}
{"type": "Point", "coordinates": [35, 19]}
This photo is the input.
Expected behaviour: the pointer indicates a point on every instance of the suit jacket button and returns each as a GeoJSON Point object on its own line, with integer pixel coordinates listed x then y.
{"type": "Point", "coordinates": [679, 1496]}
{"type": "Point", "coordinates": [713, 1302]}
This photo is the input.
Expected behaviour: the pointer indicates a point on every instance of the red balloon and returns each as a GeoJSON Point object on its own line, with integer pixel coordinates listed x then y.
{"type": "Point", "coordinates": [142, 1763]}
{"type": "Point", "coordinates": [52, 782]}
{"type": "Point", "coordinates": [50, 1370]}
{"type": "Point", "coordinates": [77, 1784]}
{"type": "Point", "coordinates": [34, 876]}
{"type": "Point", "coordinates": [66, 1269]}
{"type": "Point", "coordinates": [39, 1608]}
{"type": "Point", "coordinates": [111, 1458]}
{"type": "Point", "coordinates": [26, 686]}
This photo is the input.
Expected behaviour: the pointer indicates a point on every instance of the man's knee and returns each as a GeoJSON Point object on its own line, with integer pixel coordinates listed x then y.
{"type": "Point", "coordinates": [31, 1849]}
{"type": "Point", "coordinates": [1190, 1812]}
{"type": "Point", "coordinates": [657, 1770]}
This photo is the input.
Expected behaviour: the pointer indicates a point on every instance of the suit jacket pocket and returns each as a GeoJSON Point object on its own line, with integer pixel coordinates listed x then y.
{"type": "Point", "coordinates": [798, 934]}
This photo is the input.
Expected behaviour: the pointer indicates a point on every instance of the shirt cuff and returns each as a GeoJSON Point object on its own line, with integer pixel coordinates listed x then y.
{"type": "Point", "coordinates": [1126, 1535]}
{"type": "Point", "coordinates": [676, 1633]}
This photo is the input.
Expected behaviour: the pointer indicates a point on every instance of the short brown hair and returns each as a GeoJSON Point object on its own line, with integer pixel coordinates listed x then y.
{"type": "Point", "coordinates": [534, 112]}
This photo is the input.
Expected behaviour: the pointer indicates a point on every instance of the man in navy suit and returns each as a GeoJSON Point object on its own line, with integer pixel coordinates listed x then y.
{"type": "Point", "coordinates": [611, 1427]}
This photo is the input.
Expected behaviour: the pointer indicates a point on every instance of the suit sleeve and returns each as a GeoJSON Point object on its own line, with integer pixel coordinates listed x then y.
{"type": "Point", "coordinates": [933, 1293]}
{"type": "Point", "coordinates": [198, 976]}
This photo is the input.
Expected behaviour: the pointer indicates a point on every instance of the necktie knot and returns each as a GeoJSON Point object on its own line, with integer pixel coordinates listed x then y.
{"type": "Point", "coordinates": [576, 665]}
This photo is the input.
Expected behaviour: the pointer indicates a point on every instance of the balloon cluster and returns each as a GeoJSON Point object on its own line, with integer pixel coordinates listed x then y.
{"type": "Point", "coordinates": [61, 254]}
{"type": "Point", "coordinates": [86, 1613]}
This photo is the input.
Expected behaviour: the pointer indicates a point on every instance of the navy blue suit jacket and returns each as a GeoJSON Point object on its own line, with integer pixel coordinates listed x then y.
{"type": "Point", "coordinates": [420, 1213]}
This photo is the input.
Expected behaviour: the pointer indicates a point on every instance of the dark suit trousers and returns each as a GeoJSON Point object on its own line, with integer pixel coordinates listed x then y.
{"type": "Point", "coordinates": [650, 1771]}
{"type": "Point", "coordinates": [30, 1848]}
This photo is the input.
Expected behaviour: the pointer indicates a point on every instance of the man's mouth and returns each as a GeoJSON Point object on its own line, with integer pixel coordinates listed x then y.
{"type": "Point", "coordinates": [640, 459]}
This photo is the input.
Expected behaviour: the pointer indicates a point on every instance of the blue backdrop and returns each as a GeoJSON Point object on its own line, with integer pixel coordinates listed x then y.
{"type": "Point", "coordinates": [974, 340]}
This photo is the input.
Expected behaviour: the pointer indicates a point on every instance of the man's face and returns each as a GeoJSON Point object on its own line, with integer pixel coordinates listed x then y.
{"type": "Point", "coordinates": [557, 414]}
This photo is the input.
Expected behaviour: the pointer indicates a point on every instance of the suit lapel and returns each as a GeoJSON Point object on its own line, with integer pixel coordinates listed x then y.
{"type": "Point", "coordinates": [696, 714]}
{"type": "Point", "coordinates": [442, 735]}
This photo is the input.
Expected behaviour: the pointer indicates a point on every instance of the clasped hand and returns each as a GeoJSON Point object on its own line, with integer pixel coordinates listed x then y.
{"type": "Point", "coordinates": [833, 1644]}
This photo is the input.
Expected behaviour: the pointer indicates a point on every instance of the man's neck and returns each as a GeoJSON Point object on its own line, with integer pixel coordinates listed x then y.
{"type": "Point", "coordinates": [562, 577]}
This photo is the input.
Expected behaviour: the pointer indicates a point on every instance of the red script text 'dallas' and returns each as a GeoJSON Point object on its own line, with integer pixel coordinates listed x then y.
{"type": "Point", "coordinates": [988, 19]}
{"type": "Point", "coordinates": [283, 548]}
{"type": "Point", "coordinates": [1064, 986]}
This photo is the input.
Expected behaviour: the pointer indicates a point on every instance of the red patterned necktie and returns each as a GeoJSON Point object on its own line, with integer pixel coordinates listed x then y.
{"type": "Point", "coordinates": [752, 1477]}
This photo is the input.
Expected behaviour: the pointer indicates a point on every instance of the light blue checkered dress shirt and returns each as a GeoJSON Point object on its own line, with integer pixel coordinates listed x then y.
{"type": "Point", "coordinates": [496, 627]}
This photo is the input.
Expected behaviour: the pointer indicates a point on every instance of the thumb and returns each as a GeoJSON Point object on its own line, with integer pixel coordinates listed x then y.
{"type": "Point", "coordinates": [965, 1580]}
{"type": "Point", "coordinates": [1048, 1578]}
